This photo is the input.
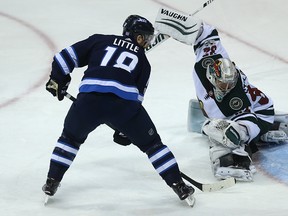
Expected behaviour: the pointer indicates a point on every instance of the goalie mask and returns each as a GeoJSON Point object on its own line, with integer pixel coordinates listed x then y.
{"type": "Point", "coordinates": [223, 75]}
{"type": "Point", "coordinates": [136, 25]}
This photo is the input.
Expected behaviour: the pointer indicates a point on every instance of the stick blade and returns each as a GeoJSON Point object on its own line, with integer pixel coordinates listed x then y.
{"type": "Point", "coordinates": [223, 184]}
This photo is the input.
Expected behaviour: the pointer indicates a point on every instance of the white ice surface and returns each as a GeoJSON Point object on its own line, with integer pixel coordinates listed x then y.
{"type": "Point", "coordinates": [105, 178]}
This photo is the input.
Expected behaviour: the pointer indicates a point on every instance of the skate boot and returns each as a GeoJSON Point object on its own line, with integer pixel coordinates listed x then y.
{"type": "Point", "coordinates": [184, 192]}
{"type": "Point", "coordinates": [51, 186]}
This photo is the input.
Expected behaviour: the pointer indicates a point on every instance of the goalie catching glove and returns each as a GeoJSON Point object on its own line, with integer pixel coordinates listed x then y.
{"type": "Point", "coordinates": [227, 133]}
{"type": "Point", "coordinates": [58, 88]}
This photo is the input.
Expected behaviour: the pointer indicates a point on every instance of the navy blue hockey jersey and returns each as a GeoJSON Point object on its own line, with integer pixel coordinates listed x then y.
{"type": "Point", "coordinates": [115, 64]}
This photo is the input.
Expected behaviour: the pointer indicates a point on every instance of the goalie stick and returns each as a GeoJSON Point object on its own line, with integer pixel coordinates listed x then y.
{"type": "Point", "coordinates": [203, 6]}
{"type": "Point", "coordinates": [203, 187]}
{"type": "Point", "coordinates": [160, 38]}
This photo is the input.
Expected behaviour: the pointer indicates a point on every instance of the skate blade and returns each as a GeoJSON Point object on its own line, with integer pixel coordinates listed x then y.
{"type": "Point", "coordinates": [46, 199]}
{"type": "Point", "coordinates": [190, 200]}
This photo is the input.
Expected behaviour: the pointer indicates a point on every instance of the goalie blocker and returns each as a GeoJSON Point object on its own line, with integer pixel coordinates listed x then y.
{"type": "Point", "coordinates": [180, 26]}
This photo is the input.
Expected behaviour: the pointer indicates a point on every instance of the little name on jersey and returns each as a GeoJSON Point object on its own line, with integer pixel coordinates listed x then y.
{"type": "Point", "coordinates": [126, 44]}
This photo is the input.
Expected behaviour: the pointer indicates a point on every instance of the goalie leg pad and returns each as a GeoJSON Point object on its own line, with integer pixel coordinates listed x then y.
{"type": "Point", "coordinates": [278, 134]}
{"type": "Point", "coordinates": [275, 136]}
{"type": "Point", "coordinates": [281, 117]}
{"type": "Point", "coordinates": [227, 163]}
{"type": "Point", "coordinates": [195, 118]}
{"type": "Point", "coordinates": [217, 151]}
{"type": "Point", "coordinates": [237, 173]}
{"type": "Point", "coordinates": [284, 127]}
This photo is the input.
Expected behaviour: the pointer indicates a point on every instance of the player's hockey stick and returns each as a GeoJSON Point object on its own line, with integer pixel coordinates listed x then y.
{"type": "Point", "coordinates": [203, 187]}
{"type": "Point", "coordinates": [69, 96]}
{"type": "Point", "coordinates": [229, 182]}
{"type": "Point", "coordinates": [160, 38]}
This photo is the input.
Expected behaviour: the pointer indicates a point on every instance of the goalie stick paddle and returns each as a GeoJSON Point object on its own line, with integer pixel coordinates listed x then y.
{"type": "Point", "coordinates": [223, 184]}
{"type": "Point", "coordinates": [160, 38]}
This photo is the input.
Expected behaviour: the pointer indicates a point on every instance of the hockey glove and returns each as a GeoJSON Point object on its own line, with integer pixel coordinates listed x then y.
{"type": "Point", "coordinates": [58, 88]}
{"type": "Point", "coordinates": [121, 139]}
{"type": "Point", "coordinates": [226, 132]}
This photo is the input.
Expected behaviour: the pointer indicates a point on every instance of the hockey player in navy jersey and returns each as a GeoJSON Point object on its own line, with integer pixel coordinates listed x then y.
{"type": "Point", "coordinates": [111, 92]}
{"type": "Point", "coordinates": [238, 113]}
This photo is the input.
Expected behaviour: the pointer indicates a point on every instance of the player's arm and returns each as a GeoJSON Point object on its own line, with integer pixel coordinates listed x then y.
{"type": "Point", "coordinates": [64, 63]}
{"type": "Point", "coordinates": [208, 43]}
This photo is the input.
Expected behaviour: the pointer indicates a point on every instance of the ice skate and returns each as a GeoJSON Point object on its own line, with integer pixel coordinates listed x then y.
{"type": "Point", "coordinates": [51, 186]}
{"type": "Point", "coordinates": [184, 192]}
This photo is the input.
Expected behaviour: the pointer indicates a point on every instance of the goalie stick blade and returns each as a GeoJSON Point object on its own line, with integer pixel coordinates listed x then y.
{"type": "Point", "coordinates": [229, 182]}
{"type": "Point", "coordinates": [223, 184]}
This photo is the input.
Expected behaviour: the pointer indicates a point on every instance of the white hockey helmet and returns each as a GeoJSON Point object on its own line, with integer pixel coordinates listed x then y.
{"type": "Point", "coordinates": [223, 75]}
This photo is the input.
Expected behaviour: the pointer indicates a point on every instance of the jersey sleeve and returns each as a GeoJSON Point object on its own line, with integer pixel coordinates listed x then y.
{"type": "Point", "coordinates": [208, 43]}
{"type": "Point", "coordinates": [72, 57]}
{"type": "Point", "coordinates": [259, 116]}
{"type": "Point", "coordinates": [261, 104]}
{"type": "Point", "coordinates": [143, 79]}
